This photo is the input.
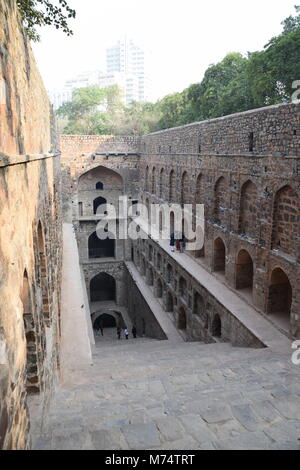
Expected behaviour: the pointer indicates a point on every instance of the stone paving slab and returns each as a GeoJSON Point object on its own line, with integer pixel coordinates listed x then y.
{"type": "Point", "coordinates": [141, 436]}
{"type": "Point", "coordinates": [233, 403]}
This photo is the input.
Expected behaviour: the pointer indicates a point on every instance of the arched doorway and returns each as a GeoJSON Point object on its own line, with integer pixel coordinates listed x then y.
{"type": "Point", "coordinates": [244, 270]}
{"type": "Point", "coordinates": [153, 188]}
{"type": "Point", "coordinates": [286, 221]}
{"type": "Point", "coordinates": [169, 274]}
{"type": "Point", "coordinates": [182, 287]}
{"type": "Point", "coordinates": [219, 256]}
{"type": "Point", "coordinates": [159, 288]}
{"type": "Point", "coordinates": [220, 202]}
{"type": "Point", "coordinates": [147, 179]}
{"type": "Point", "coordinates": [280, 296]}
{"type": "Point", "coordinates": [150, 277]}
{"type": "Point", "coordinates": [216, 326]}
{"type": "Point", "coordinates": [101, 248]}
{"type": "Point", "coordinates": [185, 188]}
{"type": "Point", "coordinates": [169, 303]}
{"type": "Point", "coordinates": [100, 175]}
{"type": "Point", "coordinates": [98, 202]}
{"type": "Point", "coordinates": [102, 287]}
{"type": "Point", "coordinates": [105, 321]}
{"type": "Point", "coordinates": [248, 209]}
{"type": "Point", "coordinates": [199, 304]}
{"type": "Point", "coordinates": [161, 183]}
{"type": "Point", "coordinates": [99, 185]}
{"type": "Point", "coordinates": [143, 266]}
{"type": "Point", "coordinates": [172, 186]}
{"type": "Point", "coordinates": [181, 319]}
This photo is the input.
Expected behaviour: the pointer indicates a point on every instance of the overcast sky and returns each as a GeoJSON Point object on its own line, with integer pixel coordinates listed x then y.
{"type": "Point", "coordinates": [184, 36]}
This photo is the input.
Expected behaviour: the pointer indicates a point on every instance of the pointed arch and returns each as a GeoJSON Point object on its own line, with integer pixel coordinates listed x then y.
{"type": "Point", "coordinates": [280, 293]}
{"type": "Point", "coordinates": [286, 221]}
{"type": "Point", "coordinates": [161, 182]}
{"type": "Point", "coordinates": [248, 209]}
{"type": "Point", "coordinates": [219, 260]}
{"type": "Point", "coordinates": [185, 188]}
{"type": "Point", "coordinates": [182, 321]}
{"type": "Point", "coordinates": [101, 248]}
{"type": "Point", "coordinates": [244, 270]}
{"type": "Point", "coordinates": [172, 186]}
{"type": "Point", "coordinates": [102, 287]}
{"type": "Point", "coordinates": [220, 201]}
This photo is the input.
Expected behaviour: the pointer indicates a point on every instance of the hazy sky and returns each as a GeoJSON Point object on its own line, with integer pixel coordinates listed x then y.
{"type": "Point", "coordinates": [184, 36]}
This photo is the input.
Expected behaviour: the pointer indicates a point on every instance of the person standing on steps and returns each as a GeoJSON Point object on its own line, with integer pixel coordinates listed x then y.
{"type": "Point", "coordinates": [134, 331]}
{"type": "Point", "coordinates": [182, 243]}
{"type": "Point", "coordinates": [126, 333]}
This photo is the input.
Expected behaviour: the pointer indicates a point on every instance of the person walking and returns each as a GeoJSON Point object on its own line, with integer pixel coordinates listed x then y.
{"type": "Point", "coordinates": [119, 332]}
{"type": "Point", "coordinates": [134, 331]}
{"type": "Point", "coordinates": [126, 333]}
{"type": "Point", "coordinates": [172, 241]}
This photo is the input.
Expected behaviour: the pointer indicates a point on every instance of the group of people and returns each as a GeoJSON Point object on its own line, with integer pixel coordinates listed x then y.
{"type": "Point", "coordinates": [99, 331]}
{"type": "Point", "coordinates": [177, 242]}
{"type": "Point", "coordinates": [126, 332]}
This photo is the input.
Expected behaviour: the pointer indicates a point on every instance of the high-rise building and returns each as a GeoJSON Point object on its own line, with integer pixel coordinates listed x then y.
{"type": "Point", "coordinates": [127, 57]}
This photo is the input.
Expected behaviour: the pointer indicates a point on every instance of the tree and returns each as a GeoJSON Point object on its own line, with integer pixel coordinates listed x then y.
{"type": "Point", "coordinates": [292, 23]}
{"type": "Point", "coordinates": [92, 110]}
{"type": "Point", "coordinates": [273, 70]}
{"type": "Point", "coordinates": [44, 12]}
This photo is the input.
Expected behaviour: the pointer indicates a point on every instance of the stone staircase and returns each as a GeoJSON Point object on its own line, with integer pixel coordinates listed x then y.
{"type": "Point", "coordinates": [149, 394]}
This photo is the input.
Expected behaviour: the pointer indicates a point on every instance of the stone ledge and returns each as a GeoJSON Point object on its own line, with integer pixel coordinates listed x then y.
{"type": "Point", "coordinates": [10, 160]}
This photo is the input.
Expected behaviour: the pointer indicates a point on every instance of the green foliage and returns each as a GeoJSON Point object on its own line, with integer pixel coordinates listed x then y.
{"type": "Point", "coordinates": [292, 23]}
{"type": "Point", "coordinates": [95, 110]}
{"type": "Point", "coordinates": [235, 84]}
{"type": "Point", "coordinates": [44, 12]}
{"type": "Point", "coordinates": [273, 70]}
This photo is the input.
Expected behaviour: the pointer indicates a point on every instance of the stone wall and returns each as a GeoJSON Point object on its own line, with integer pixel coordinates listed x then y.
{"type": "Point", "coordinates": [251, 198]}
{"type": "Point", "coordinates": [82, 145]}
{"type": "Point", "coordinates": [30, 237]}
{"type": "Point", "coordinates": [272, 130]}
{"type": "Point", "coordinates": [24, 105]}
{"type": "Point", "coordinates": [139, 311]}
{"type": "Point", "coordinates": [245, 169]}
{"type": "Point", "coordinates": [193, 309]}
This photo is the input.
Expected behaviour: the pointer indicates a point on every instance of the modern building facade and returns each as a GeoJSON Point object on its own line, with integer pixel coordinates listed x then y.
{"type": "Point", "coordinates": [127, 57]}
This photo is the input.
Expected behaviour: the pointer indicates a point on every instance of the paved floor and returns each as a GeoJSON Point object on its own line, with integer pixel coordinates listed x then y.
{"type": "Point", "coordinates": [149, 394]}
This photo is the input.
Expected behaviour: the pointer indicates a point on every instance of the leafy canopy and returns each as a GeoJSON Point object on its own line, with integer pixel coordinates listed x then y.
{"type": "Point", "coordinates": [44, 12]}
